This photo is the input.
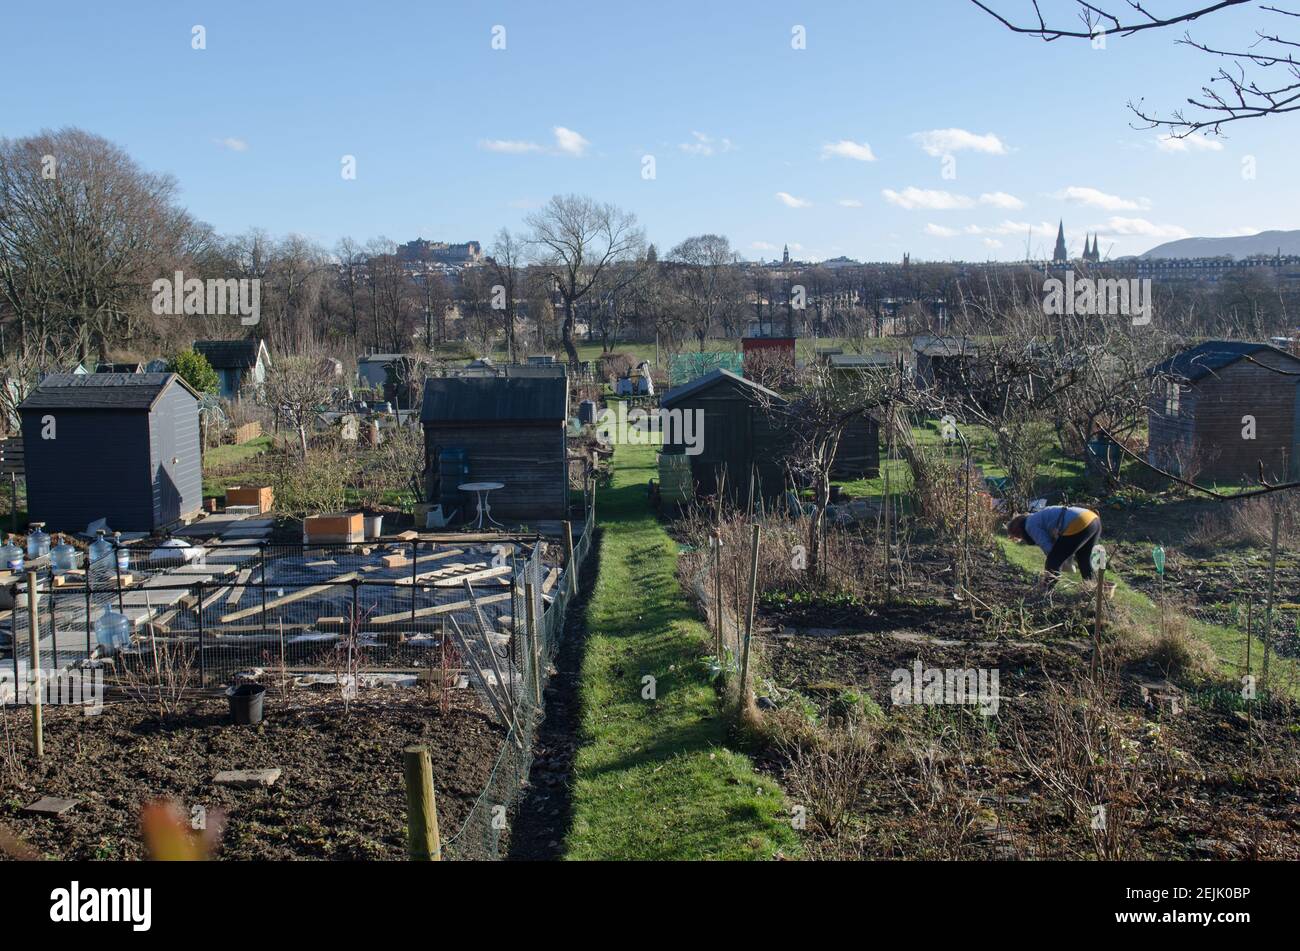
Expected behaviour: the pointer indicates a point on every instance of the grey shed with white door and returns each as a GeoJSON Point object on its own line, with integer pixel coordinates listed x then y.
{"type": "Point", "coordinates": [118, 446]}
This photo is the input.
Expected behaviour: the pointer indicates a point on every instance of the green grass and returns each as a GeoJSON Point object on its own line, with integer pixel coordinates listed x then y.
{"type": "Point", "coordinates": [1229, 644]}
{"type": "Point", "coordinates": [654, 779]}
{"type": "Point", "coordinates": [222, 464]}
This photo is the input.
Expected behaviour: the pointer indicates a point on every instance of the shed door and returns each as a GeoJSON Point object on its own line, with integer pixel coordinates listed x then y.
{"type": "Point", "coordinates": [166, 491]}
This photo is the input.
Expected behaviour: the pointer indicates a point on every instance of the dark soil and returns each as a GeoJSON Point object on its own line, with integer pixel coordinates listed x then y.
{"type": "Point", "coordinates": [341, 794]}
{"type": "Point", "coordinates": [1211, 780]}
{"type": "Point", "coordinates": [546, 809]}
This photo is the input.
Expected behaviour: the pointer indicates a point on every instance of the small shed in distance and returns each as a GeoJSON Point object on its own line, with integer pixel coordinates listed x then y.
{"type": "Point", "coordinates": [241, 365]}
{"type": "Point", "coordinates": [511, 430]}
{"type": "Point", "coordinates": [742, 434]}
{"type": "Point", "coordinates": [1226, 410]}
{"type": "Point", "coordinates": [858, 454]}
{"type": "Point", "coordinates": [118, 446]}
{"type": "Point", "coordinates": [944, 361]}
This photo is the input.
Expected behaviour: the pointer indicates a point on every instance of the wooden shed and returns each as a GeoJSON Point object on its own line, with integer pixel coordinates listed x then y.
{"type": "Point", "coordinates": [1226, 410]}
{"type": "Point", "coordinates": [858, 455]}
{"type": "Point", "coordinates": [512, 430]}
{"type": "Point", "coordinates": [118, 446]}
{"type": "Point", "coordinates": [944, 362]}
{"type": "Point", "coordinates": [741, 435]}
{"type": "Point", "coordinates": [241, 365]}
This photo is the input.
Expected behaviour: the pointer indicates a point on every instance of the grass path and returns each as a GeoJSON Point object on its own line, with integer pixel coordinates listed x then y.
{"type": "Point", "coordinates": [653, 779]}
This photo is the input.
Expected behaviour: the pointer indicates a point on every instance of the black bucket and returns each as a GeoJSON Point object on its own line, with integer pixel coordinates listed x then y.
{"type": "Point", "coordinates": [246, 703]}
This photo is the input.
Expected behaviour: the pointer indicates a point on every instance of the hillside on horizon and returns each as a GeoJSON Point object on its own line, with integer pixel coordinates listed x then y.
{"type": "Point", "coordinates": [1236, 246]}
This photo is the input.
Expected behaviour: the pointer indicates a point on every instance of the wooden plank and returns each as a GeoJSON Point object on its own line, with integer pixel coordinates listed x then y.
{"type": "Point", "coordinates": [551, 578]}
{"type": "Point", "coordinates": [399, 616]}
{"type": "Point", "coordinates": [237, 589]}
{"type": "Point", "coordinates": [457, 580]}
{"type": "Point", "coordinates": [289, 598]}
{"type": "Point", "coordinates": [451, 571]}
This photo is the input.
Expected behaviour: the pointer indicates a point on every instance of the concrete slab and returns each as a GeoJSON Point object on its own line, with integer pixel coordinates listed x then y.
{"type": "Point", "coordinates": [52, 806]}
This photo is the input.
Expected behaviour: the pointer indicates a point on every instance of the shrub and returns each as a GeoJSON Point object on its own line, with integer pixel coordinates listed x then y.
{"type": "Point", "coordinates": [194, 368]}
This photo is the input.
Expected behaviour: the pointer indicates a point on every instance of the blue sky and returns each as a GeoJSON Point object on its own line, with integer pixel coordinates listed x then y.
{"type": "Point", "coordinates": [824, 148]}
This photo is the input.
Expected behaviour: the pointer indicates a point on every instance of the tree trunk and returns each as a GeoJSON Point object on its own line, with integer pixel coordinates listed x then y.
{"type": "Point", "coordinates": [566, 333]}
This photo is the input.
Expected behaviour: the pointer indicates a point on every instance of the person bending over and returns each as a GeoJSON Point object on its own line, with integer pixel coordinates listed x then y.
{"type": "Point", "coordinates": [1063, 532]}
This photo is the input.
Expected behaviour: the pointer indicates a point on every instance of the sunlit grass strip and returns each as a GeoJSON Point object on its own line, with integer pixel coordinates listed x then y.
{"type": "Point", "coordinates": [654, 779]}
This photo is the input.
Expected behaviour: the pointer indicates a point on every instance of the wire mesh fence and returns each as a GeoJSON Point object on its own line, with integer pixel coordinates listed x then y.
{"type": "Point", "coordinates": [343, 613]}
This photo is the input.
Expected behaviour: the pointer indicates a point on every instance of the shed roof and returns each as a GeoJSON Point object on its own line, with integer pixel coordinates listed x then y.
{"type": "Point", "coordinates": [230, 354]}
{"type": "Point", "coordinates": [451, 399]}
{"type": "Point", "coordinates": [1211, 356]}
{"type": "Point", "coordinates": [712, 379]}
{"type": "Point", "coordinates": [945, 346]}
{"type": "Point", "coordinates": [101, 390]}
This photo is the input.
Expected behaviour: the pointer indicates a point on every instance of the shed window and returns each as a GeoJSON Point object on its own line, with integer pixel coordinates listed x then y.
{"type": "Point", "coordinates": [1171, 398]}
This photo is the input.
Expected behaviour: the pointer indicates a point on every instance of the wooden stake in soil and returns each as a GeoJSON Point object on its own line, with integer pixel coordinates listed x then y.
{"type": "Point", "coordinates": [717, 592]}
{"type": "Point", "coordinates": [423, 843]}
{"type": "Point", "coordinates": [1096, 630]}
{"type": "Point", "coordinates": [34, 665]}
{"type": "Point", "coordinates": [1268, 613]}
{"type": "Point", "coordinates": [749, 617]}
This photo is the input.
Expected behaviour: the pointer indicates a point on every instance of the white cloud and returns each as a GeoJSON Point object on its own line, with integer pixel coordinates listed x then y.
{"type": "Point", "coordinates": [846, 148]}
{"type": "Point", "coordinates": [570, 142]}
{"type": "Point", "coordinates": [705, 145]}
{"type": "Point", "coordinates": [763, 246]}
{"type": "Point", "coordinates": [510, 146]}
{"type": "Point", "coordinates": [939, 142]}
{"type": "Point", "coordinates": [235, 145]}
{"type": "Point", "coordinates": [992, 243]}
{"type": "Point", "coordinates": [1002, 200]}
{"type": "Point", "coordinates": [1140, 226]}
{"type": "Point", "coordinates": [1191, 143]}
{"type": "Point", "coordinates": [849, 203]}
{"type": "Point", "coordinates": [913, 197]}
{"type": "Point", "coordinates": [790, 201]}
{"type": "Point", "coordinates": [939, 231]}
{"type": "Point", "coordinates": [1099, 199]}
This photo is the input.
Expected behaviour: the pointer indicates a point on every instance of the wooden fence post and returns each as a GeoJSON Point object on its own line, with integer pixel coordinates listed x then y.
{"type": "Point", "coordinates": [34, 665]}
{"type": "Point", "coordinates": [570, 568]}
{"type": "Point", "coordinates": [749, 617]}
{"type": "Point", "coordinates": [423, 843]}
{"type": "Point", "coordinates": [717, 592]}
{"type": "Point", "coordinates": [1096, 630]}
{"type": "Point", "coordinates": [534, 639]}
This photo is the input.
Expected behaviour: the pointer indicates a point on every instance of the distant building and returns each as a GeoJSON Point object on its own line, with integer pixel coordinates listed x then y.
{"type": "Point", "coordinates": [1226, 410]}
{"type": "Point", "coordinates": [372, 368]}
{"type": "Point", "coordinates": [440, 252]}
{"type": "Point", "coordinates": [241, 365]}
{"type": "Point", "coordinates": [126, 450]}
{"type": "Point", "coordinates": [1060, 255]}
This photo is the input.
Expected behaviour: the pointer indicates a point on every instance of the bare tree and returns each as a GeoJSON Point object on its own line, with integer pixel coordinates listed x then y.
{"type": "Point", "coordinates": [1261, 78]}
{"type": "Point", "coordinates": [577, 239]}
{"type": "Point", "coordinates": [507, 262]}
{"type": "Point", "coordinates": [705, 274]}
{"type": "Point", "coordinates": [295, 390]}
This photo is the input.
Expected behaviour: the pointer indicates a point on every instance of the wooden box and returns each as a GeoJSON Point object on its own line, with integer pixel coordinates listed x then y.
{"type": "Point", "coordinates": [339, 527]}
{"type": "Point", "coordinates": [263, 496]}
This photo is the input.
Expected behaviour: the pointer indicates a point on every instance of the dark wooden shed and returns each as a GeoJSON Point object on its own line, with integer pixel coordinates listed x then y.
{"type": "Point", "coordinates": [241, 365]}
{"type": "Point", "coordinates": [1226, 410]}
{"type": "Point", "coordinates": [858, 455]}
{"type": "Point", "coordinates": [513, 431]}
{"type": "Point", "coordinates": [743, 433]}
{"type": "Point", "coordinates": [118, 446]}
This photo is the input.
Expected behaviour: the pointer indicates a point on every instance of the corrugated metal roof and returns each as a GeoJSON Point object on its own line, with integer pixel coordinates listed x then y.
{"type": "Point", "coordinates": [1213, 355]}
{"type": "Point", "coordinates": [101, 390]}
{"type": "Point", "coordinates": [495, 399]}
{"type": "Point", "coordinates": [229, 354]}
{"type": "Point", "coordinates": [713, 378]}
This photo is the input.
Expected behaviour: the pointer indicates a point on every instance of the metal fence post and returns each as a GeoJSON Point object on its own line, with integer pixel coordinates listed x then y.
{"type": "Point", "coordinates": [90, 644]}
{"type": "Point", "coordinates": [415, 553]}
{"type": "Point", "coordinates": [203, 669]}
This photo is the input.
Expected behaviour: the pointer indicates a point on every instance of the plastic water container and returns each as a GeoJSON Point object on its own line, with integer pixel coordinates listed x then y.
{"type": "Point", "coordinates": [123, 554]}
{"type": "Point", "coordinates": [38, 543]}
{"type": "Point", "coordinates": [112, 630]}
{"type": "Point", "coordinates": [99, 564]}
{"type": "Point", "coordinates": [63, 557]}
{"type": "Point", "coordinates": [11, 556]}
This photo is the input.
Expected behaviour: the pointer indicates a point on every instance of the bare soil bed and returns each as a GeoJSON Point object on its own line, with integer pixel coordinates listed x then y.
{"type": "Point", "coordinates": [340, 796]}
{"type": "Point", "coordinates": [1186, 772]}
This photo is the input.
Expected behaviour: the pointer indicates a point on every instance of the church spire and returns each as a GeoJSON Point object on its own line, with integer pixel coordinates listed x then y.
{"type": "Point", "coordinates": [1060, 255]}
